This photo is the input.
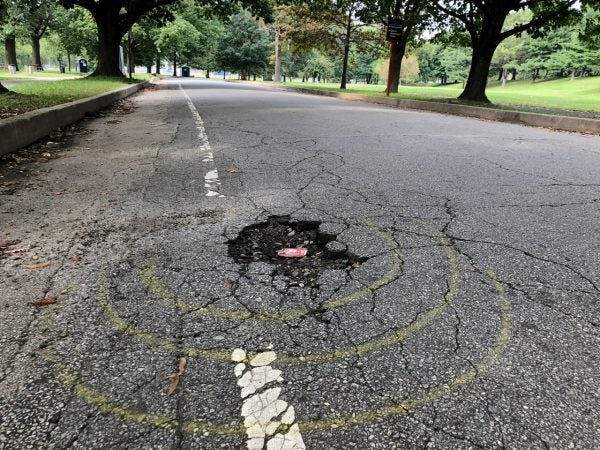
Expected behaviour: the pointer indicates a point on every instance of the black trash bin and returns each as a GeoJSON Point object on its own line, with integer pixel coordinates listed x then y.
{"type": "Point", "coordinates": [83, 66]}
{"type": "Point", "coordinates": [185, 71]}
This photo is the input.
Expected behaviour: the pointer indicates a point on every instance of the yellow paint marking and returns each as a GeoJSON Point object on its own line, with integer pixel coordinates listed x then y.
{"type": "Point", "coordinates": [159, 290]}
{"type": "Point", "coordinates": [397, 336]}
{"type": "Point", "coordinates": [106, 405]}
{"type": "Point", "coordinates": [435, 393]}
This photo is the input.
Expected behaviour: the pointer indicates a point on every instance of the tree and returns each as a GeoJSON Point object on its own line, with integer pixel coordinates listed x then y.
{"type": "Point", "coordinates": [538, 52]}
{"type": "Point", "coordinates": [430, 66]}
{"type": "Point", "coordinates": [484, 22]}
{"type": "Point", "coordinates": [10, 21]}
{"type": "Point", "coordinates": [455, 63]}
{"type": "Point", "coordinates": [77, 33]}
{"type": "Point", "coordinates": [364, 66]}
{"type": "Point", "coordinates": [114, 18]}
{"type": "Point", "coordinates": [3, 10]}
{"type": "Point", "coordinates": [412, 18]}
{"type": "Point", "coordinates": [318, 66]}
{"type": "Point", "coordinates": [211, 30]}
{"type": "Point", "coordinates": [332, 27]}
{"type": "Point", "coordinates": [245, 45]}
{"type": "Point", "coordinates": [143, 42]}
{"type": "Point", "coordinates": [38, 16]}
{"type": "Point", "coordinates": [590, 27]}
{"type": "Point", "coordinates": [178, 39]}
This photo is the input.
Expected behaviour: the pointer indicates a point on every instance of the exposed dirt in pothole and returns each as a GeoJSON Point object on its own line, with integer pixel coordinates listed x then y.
{"type": "Point", "coordinates": [261, 242]}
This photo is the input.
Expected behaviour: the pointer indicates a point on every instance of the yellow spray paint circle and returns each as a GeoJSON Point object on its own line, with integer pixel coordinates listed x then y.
{"type": "Point", "coordinates": [103, 403]}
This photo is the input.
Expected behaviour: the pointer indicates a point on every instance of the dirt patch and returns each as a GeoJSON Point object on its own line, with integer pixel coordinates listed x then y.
{"type": "Point", "coordinates": [261, 243]}
{"type": "Point", "coordinates": [17, 169]}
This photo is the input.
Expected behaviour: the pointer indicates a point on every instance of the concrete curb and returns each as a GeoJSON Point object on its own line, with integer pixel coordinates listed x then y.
{"type": "Point", "coordinates": [562, 123]}
{"type": "Point", "coordinates": [24, 129]}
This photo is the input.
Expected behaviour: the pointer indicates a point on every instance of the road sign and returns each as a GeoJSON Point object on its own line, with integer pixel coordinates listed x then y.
{"type": "Point", "coordinates": [394, 29]}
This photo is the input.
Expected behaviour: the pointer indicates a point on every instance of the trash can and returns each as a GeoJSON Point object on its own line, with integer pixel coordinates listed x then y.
{"type": "Point", "coordinates": [185, 71]}
{"type": "Point", "coordinates": [12, 69]}
{"type": "Point", "coordinates": [83, 66]}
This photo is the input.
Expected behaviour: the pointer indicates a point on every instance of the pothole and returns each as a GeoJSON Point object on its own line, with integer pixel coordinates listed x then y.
{"type": "Point", "coordinates": [261, 243]}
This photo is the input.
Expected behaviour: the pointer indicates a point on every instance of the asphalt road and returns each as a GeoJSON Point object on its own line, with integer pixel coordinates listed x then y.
{"type": "Point", "coordinates": [466, 316]}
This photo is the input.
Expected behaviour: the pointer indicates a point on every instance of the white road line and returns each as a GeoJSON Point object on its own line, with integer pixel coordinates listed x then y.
{"type": "Point", "coordinates": [211, 179]}
{"type": "Point", "coordinates": [263, 411]}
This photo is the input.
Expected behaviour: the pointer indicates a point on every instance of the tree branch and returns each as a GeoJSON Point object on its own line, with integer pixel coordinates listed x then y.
{"type": "Point", "coordinates": [539, 21]}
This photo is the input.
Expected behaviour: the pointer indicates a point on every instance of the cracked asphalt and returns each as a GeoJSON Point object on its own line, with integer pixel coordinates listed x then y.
{"type": "Point", "coordinates": [471, 321]}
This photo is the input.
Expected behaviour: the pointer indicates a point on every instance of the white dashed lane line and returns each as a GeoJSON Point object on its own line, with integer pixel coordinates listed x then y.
{"type": "Point", "coordinates": [211, 178]}
{"type": "Point", "coordinates": [267, 418]}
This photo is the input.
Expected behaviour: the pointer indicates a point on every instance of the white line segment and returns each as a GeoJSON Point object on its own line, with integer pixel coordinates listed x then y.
{"type": "Point", "coordinates": [211, 179]}
{"type": "Point", "coordinates": [267, 418]}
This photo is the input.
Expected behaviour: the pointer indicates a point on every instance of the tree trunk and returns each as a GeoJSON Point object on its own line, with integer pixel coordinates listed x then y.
{"type": "Point", "coordinates": [3, 90]}
{"type": "Point", "coordinates": [503, 77]}
{"type": "Point", "coordinates": [157, 65]}
{"type": "Point", "coordinates": [109, 41]}
{"type": "Point", "coordinates": [484, 45]}
{"type": "Point", "coordinates": [10, 51]}
{"type": "Point", "coordinates": [207, 75]}
{"type": "Point", "coordinates": [175, 64]}
{"type": "Point", "coordinates": [397, 49]}
{"type": "Point", "coordinates": [130, 61]}
{"type": "Point", "coordinates": [346, 52]}
{"type": "Point", "coordinates": [35, 53]}
{"type": "Point", "coordinates": [277, 76]}
{"type": "Point", "coordinates": [148, 69]}
{"type": "Point", "coordinates": [69, 60]}
{"type": "Point", "coordinates": [478, 74]}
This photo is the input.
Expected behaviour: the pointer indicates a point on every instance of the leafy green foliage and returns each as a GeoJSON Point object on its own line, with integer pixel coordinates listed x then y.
{"type": "Point", "coordinates": [245, 46]}
{"type": "Point", "coordinates": [76, 31]}
{"type": "Point", "coordinates": [318, 66]}
{"type": "Point", "coordinates": [178, 37]}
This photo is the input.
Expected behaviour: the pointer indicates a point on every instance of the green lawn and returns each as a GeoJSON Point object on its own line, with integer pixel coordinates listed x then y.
{"type": "Point", "coordinates": [4, 75]}
{"type": "Point", "coordinates": [581, 94]}
{"type": "Point", "coordinates": [30, 96]}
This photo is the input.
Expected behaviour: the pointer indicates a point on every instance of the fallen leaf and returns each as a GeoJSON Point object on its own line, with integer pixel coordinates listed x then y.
{"type": "Point", "coordinates": [228, 283]}
{"type": "Point", "coordinates": [175, 377]}
{"type": "Point", "coordinates": [35, 258]}
{"type": "Point", "coordinates": [12, 252]}
{"type": "Point", "coordinates": [6, 244]}
{"type": "Point", "coordinates": [37, 266]}
{"type": "Point", "coordinates": [233, 170]}
{"type": "Point", "coordinates": [45, 301]}
{"type": "Point", "coordinates": [75, 258]}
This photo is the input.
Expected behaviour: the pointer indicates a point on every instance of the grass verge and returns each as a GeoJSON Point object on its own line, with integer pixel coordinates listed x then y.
{"type": "Point", "coordinates": [4, 75]}
{"type": "Point", "coordinates": [31, 96]}
{"type": "Point", "coordinates": [582, 94]}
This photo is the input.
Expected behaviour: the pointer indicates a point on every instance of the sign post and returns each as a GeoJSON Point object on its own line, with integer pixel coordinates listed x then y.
{"type": "Point", "coordinates": [393, 32]}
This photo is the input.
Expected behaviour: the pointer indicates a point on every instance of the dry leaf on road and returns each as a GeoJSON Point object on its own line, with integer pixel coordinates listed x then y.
{"type": "Point", "coordinates": [45, 301]}
{"type": "Point", "coordinates": [37, 266]}
{"type": "Point", "coordinates": [233, 170]}
{"type": "Point", "coordinates": [228, 283]}
{"type": "Point", "coordinates": [175, 377]}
